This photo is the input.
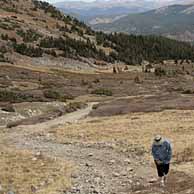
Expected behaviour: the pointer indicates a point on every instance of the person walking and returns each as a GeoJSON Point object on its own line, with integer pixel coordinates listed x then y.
{"type": "Point", "coordinates": [162, 154]}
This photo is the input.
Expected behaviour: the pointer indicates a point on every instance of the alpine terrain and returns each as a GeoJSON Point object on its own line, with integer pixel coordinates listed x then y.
{"type": "Point", "coordinates": [79, 108]}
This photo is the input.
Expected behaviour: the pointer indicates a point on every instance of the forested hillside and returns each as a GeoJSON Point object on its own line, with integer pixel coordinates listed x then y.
{"type": "Point", "coordinates": [133, 49]}
{"type": "Point", "coordinates": [37, 29]}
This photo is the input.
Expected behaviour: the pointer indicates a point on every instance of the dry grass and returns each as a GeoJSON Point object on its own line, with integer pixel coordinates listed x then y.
{"type": "Point", "coordinates": [31, 68]}
{"type": "Point", "coordinates": [24, 173]}
{"type": "Point", "coordinates": [135, 130]}
{"type": "Point", "coordinates": [22, 85]}
{"type": "Point", "coordinates": [187, 155]}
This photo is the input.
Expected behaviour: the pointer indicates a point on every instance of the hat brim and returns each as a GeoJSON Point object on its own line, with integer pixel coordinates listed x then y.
{"type": "Point", "coordinates": [158, 142]}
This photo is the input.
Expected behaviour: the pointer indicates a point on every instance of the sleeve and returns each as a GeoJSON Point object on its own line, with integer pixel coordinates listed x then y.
{"type": "Point", "coordinates": [154, 152]}
{"type": "Point", "coordinates": [169, 152]}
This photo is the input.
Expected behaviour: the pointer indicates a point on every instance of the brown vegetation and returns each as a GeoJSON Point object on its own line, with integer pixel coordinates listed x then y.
{"type": "Point", "coordinates": [26, 172]}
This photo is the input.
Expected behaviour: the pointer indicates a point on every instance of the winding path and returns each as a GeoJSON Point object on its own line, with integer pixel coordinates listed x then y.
{"type": "Point", "coordinates": [100, 169]}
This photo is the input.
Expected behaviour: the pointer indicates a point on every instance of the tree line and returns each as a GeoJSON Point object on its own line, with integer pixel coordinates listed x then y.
{"type": "Point", "coordinates": [133, 49]}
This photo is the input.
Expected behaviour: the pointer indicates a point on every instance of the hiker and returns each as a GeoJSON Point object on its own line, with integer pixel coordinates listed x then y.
{"type": "Point", "coordinates": [162, 154]}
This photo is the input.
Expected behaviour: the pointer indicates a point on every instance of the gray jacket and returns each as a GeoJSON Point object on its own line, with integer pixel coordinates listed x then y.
{"type": "Point", "coordinates": [162, 152]}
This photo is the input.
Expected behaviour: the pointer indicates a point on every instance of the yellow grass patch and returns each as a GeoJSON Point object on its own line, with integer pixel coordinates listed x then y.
{"type": "Point", "coordinates": [22, 85]}
{"type": "Point", "coordinates": [24, 173]}
{"type": "Point", "coordinates": [136, 130]}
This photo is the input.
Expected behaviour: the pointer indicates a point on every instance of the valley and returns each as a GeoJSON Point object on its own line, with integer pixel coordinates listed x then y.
{"type": "Point", "coordinates": [103, 145]}
{"type": "Point", "coordinates": [79, 108]}
{"type": "Point", "coordinates": [174, 21]}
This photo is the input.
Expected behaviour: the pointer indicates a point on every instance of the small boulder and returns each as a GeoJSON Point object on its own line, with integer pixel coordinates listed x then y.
{"type": "Point", "coordinates": [1, 188]}
{"type": "Point", "coordinates": [88, 164]}
{"type": "Point", "coordinates": [111, 162]}
{"type": "Point", "coordinates": [90, 154]}
{"type": "Point", "coordinates": [153, 180]}
{"type": "Point", "coordinates": [127, 161]}
{"type": "Point", "coordinates": [8, 108]}
{"type": "Point", "coordinates": [115, 174]}
{"type": "Point", "coordinates": [34, 159]}
{"type": "Point", "coordinates": [10, 192]}
{"type": "Point", "coordinates": [33, 189]}
{"type": "Point", "coordinates": [129, 169]}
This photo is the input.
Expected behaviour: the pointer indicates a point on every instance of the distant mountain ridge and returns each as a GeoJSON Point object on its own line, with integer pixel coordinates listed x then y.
{"type": "Point", "coordinates": [90, 10]}
{"type": "Point", "coordinates": [175, 21]}
{"type": "Point", "coordinates": [108, 8]}
{"type": "Point", "coordinates": [100, 14]}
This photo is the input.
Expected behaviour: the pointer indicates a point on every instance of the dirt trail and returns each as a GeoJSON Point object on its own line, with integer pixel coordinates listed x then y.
{"type": "Point", "coordinates": [67, 118]}
{"type": "Point", "coordinates": [100, 169]}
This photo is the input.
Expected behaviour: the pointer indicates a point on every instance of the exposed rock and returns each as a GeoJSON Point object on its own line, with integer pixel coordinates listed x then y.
{"type": "Point", "coordinates": [38, 154]}
{"type": "Point", "coordinates": [96, 191]}
{"type": "Point", "coordinates": [116, 174]}
{"type": "Point", "coordinates": [111, 162]}
{"type": "Point", "coordinates": [10, 192]}
{"type": "Point", "coordinates": [34, 159]}
{"type": "Point", "coordinates": [127, 161]}
{"type": "Point", "coordinates": [33, 189]}
{"type": "Point", "coordinates": [124, 173]}
{"type": "Point", "coordinates": [74, 176]}
{"type": "Point", "coordinates": [129, 169]}
{"type": "Point", "coordinates": [89, 164]}
{"type": "Point", "coordinates": [153, 180]}
{"type": "Point", "coordinates": [1, 188]}
{"type": "Point", "coordinates": [8, 108]}
{"type": "Point", "coordinates": [90, 154]}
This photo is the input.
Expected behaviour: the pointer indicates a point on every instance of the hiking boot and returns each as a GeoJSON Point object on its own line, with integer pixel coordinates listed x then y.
{"type": "Point", "coordinates": [162, 182]}
{"type": "Point", "coordinates": [165, 178]}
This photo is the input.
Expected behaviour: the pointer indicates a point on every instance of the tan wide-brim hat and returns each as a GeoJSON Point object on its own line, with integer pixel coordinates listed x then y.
{"type": "Point", "coordinates": [158, 140]}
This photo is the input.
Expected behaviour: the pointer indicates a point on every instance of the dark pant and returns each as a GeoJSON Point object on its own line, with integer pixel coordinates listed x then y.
{"type": "Point", "coordinates": [162, 169]}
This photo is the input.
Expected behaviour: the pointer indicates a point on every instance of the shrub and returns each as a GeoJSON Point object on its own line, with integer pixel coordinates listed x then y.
{"type": "Point", "coordinates": [95, 106]}
{"type": "Point", "coordinates": [12, 96]}
{"type": "Point", "coordinates": [29, 36]}
{"type": "Point", "coordinates": [96, 81]}
{"type": "Point", "coordinates": [13, 124]}
{"type": "Point", "coordinates": [11, 9]}
{"type": "Point", "coordinates": [3, 49]}
{"type": "Point", "coordinates": [54, 12]}
{"type": "Point", "coordinates": [76, 29]}
{"type": "Point", "coordinates": [4, 37]}
{"type": "Point", "coordinates": [84, 82]}
{"type": "Point", "coordinates": [160, 71]}
{"type": "Point", "coordinates": [138, 80]}
{"type": "Point", "coordinates": [28, 50]}
{"type": "Point", "coordinates": [57, 95]}
{"type": "Point", "coordinates": [12, 39]}
{"type": "Point", "coordinates": [3, 58]}
{"type": "Point", "coordinates": [187, 155]}
{"type": "Point", "coordinates": [53, 94]}
{"type": "Point", "coordinates": [74, 48]}
{"type": "Point", "coordinates": [6, 26]}
{"type": "Point", "coordinates": [188, 91]}
{"type": "Point", "coordinates": [102, 91]}
{"type": "Point", "coordinates": [8, 108]}
{"type": "Point", "coordinates": [73, 106]}
{"type": "Point", "coordinates": [51, 52]}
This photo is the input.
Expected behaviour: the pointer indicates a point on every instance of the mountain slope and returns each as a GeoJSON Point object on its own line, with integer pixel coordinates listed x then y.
{"type": "Point", "coordinates": [88, 11]}
{"type": "Point", "coordinates": [36, 33]}
{"type": "Point", "coordinates": [174, 21]}
{"type": "Point", "coordinates": [37, 29]}
{"type": "Point", "coordinates": [107, 11]}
